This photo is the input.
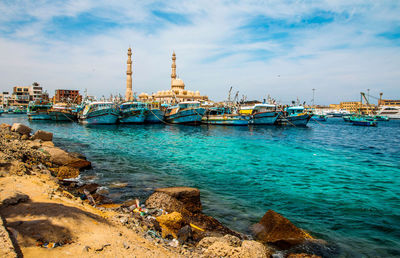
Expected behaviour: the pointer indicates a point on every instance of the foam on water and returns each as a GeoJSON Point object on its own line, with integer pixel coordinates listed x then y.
{"type": "Point", "coordinates": [338, 181]}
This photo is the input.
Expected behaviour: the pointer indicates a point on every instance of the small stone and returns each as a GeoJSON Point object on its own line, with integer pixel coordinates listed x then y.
{"type": "Point", "coordinates": [86, 248]}
{"type": "Point", "coordinates": [126, 245]}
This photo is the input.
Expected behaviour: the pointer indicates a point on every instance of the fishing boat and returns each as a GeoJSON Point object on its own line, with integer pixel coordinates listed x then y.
{"type": "Point", "coordinates": [63, 112]}
{"type": "Point", "coordinates": [99, 113]}
{"type": "Point", "coordinates": [295, 116]}
{"type": "Point", "coordinates": [132, 112]}
{"type": "Point", "coordinates": [155, 113]}
{"type": "Point", "coordinates": [381, 118]}
{"type": "Point", "coordinates": [224, 116]}
{"type": "Point", "coordinates": [38, 110]}
{"type": "Point", "coordinates": [319, 118]}
{"type": "Point", "coordinates": [361, 121]}
{"type": "Point", "coordinates": [188, 112]}
{"type": "Point", "coordinates": [264, 114]}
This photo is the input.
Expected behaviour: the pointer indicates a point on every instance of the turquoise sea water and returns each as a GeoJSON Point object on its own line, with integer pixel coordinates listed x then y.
{"type": "Point", "coordinates": [337, 181]}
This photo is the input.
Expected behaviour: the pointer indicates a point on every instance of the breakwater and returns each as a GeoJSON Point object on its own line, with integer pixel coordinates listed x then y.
{"type": "Point", "coordinates": [338, 181]}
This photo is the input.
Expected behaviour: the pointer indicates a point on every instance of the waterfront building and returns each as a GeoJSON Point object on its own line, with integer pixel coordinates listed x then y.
{"type": "Point", "coordinates": [128, 92]}
{"type": "Point", "coordinates": [71, 96]}
{"type": "Point", "coordinates": [357, 106]}
{"type": "Point", "coordinates": [177, 92]}
{"type": "Point", "coordinates": [35, 91]}
{"type": "Point", "coordinates": [5, 96]}
{"type": "Point", "coordinates": [20, 96]}
{"type": "Point", "coordinates": [389, 102]}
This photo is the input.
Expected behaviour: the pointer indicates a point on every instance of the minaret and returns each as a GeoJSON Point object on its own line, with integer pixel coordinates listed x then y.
{"type": "Point", "coordinates": [173, 66]}
{"type": "Point", "coordinates": [128, 92]}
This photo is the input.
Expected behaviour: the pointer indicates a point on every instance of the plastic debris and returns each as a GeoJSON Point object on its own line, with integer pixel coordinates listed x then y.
{"type": "Point", "coordinates": [196, 227]}
{"type": "Point", "coordinates": [174, 243]}
{"type": "Point", "coordinates": [48, 245]}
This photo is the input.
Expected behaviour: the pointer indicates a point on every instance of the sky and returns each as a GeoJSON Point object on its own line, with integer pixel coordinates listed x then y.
{"type": "Point", "coordinates": [279, 48]}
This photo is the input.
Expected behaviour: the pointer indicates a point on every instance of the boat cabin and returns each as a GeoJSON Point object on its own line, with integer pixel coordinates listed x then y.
{"type": "Point", "coordinates": [261, 108]}
{"type": "Point", "coordinates": [189, 104]}
{"type": "Point", "coordinates": [294, 111]}
{"type": "Point", "coordinates": [97, 106]}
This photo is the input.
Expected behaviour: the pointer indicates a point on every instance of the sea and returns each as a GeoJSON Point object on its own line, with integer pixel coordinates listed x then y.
{"type": "Point", "coordinates": [339, 182]}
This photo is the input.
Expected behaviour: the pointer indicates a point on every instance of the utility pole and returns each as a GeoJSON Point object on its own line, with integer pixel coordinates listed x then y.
{"type": "Point", "coordinates": [313, 95]}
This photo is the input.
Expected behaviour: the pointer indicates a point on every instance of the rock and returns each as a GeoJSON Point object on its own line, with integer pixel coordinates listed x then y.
{"type": "Point", "coordinates": [184, 234]}
{"type": "Point", "coordinates": [62, 158]}
{"type": "Point", "coordinates": [92, 187]}
{"type": "Point", "coordinates": [274, 228]}
{"type": "Point", "coordinates": [21, 129]}
{"type": "Point", "coordinates": [222, 249]}
{"type": "Point", "coordinates": [229, 239]}
{"type": "Point", "coordinates": [77, 155]}
{"type": "Point", "coordinates": [190, 197]}
{"type": "Point", "coordinates": [65, 172]}
{"type": "Point", "coordinates": [24, 137]}
{"type": "Point", "coordinates": [302, 255]}
{"type": "Point", "coordinates": [170, 224]}
{"type": "Point", "coordinates": [126, 245]}
{"type": "Point", "coordinates": [86, 248]}
{"type": "Point", "coordinates": [5, 126]}
{"type": "Point", "coordinates": [166, 202]}
{"type": "Point", "coordinates": [15, 199]}
{"type": "Point", "coordinates": [18, 168]}
{"type": "Point", "coordinates": [43, 135]}
{"type": "Point", "coordinates": [254, 249]}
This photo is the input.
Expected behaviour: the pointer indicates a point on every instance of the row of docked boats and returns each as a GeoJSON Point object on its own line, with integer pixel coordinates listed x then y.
{"type": "Point", "coordinates": [364, 120]}
{"type": "Point", "coordinates": [189, 112]}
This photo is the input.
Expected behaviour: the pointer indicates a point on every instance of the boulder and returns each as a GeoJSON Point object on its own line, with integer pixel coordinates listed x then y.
{"type": "Point", "coordinates": [170, 224]}
{"type": "Point", "coordinates": [190, 197]}
{"type": "Point", "coordinates": [21, 129]}
{"type": "Point", "coordinates": [255, 249]}
{"type": "Point", "coordinates": [222, 249]}
{"type": "Point", "coordinates": [43, 135]}
{"type": "Point", "coordinates": [166, 202]}
{"type": "Point", "coordinates": [62, 158]}
{"type": "Point", "coordinates": [65, 172]}
{"type": "Point", "coordinates": [274, 228]}
{"type": "Point", "coordinates": [5, 126]}
{"type": "Point", "coordinates": [229, 239]}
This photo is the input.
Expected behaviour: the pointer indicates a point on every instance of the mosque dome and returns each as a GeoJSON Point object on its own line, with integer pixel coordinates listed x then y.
{"type": "Point", "coordinates": [197, 93]}
{"type": "Point", "coordinates": [177, 83]}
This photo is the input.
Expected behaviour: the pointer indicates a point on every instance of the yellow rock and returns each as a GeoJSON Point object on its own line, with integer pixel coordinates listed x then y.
{"type": "Point", "coordinates": [170, 223]}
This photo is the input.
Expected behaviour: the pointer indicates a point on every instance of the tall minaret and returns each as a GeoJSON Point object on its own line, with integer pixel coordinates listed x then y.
{"type": "Point", "coordinates": [128, 92]}
{"type": "Point", "coordinates": [173, 66]}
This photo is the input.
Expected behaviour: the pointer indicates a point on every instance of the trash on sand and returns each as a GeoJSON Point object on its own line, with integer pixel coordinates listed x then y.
{"type": "Point", "coordinates": [153, 234]}
{"type": "Point", "coordinates": [89, 196]}
{"type": "Point", "coordinates": [48, 245]}
{"type": "Point", "coordinates": [174, 243]}
{"type": "Point", "coordinates": [196, 227]}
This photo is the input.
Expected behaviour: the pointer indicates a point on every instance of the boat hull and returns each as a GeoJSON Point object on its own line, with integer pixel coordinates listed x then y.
{"type": "Point", "coordinates": [319, 118]}
{"type": "Point", "coordinates": [62, 116]}
{"type": "Point", "coordinates": [132, 117]}
{"type": "Point", "coordinates": [226, 120]}
{"type": "Point", "coordinates": [39, 116]}
{"type": "Point", "coordinates": [364, 123]}
{"type": "Point", "coordinates": [301, 120]}
{"type": "Point", "coordinates": [104, 116]}
{"type": "Point", "coordinates": [154, 116]}
{"type": "Point", "coordinates": [186, 116]}
{"type": "Point", "coordinates": [264, 118]}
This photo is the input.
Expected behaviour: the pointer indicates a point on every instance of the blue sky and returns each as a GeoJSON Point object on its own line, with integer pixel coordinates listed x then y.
{"type": "Point", "coordinates": [281, 48]}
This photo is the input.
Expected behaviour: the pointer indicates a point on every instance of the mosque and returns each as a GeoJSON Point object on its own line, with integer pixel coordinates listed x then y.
{"type": "Point", "coordinates": [177, 93]}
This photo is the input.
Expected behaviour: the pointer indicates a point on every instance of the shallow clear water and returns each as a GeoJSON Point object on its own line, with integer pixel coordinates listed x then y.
{"type": "Point", "coordinates": [339, 182]}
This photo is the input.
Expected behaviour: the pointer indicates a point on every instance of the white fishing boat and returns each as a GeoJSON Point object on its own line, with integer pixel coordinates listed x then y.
{"type": "Point", "coordinates": [99, 113]}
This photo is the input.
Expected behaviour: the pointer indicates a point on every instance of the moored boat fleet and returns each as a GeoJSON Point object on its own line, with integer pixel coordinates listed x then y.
{"type": "Point", "coordinates": [187, 112]}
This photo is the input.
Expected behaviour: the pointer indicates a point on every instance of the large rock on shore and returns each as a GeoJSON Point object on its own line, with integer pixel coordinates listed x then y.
{"type": "Point", "coordinates": [230, 246]}
{"type": "Point", "coordinates": [5, 126]}
{"type": "Point", "coordinates": [190, 197]}
{"type": "Point", "coordinates": [21, 129]}
{"type": "Point", "coordinates": [276, 229]}
{"type": "Point", "coordinates": [209, 225]}
{"type": "Point", "coordinates": [170, 224]}
{"type": "Point", "coordinates": [65, 172]}
{"type": "Point", "coordinates": [43, 135]}
{"type": "Point", "coordinates": [62, 158]}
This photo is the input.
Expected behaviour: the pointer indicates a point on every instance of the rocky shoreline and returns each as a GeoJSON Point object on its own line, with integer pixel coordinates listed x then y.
{"type": "Point", "coordinates": [171, 218]}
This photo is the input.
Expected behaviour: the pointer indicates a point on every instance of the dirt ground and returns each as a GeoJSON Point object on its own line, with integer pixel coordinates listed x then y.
{"type": "Point", "coordinates": [46, 216]}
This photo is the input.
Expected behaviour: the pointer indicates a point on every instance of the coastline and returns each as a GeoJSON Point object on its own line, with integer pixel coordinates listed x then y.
{"type": "Point", "coordinates": [37, 164]}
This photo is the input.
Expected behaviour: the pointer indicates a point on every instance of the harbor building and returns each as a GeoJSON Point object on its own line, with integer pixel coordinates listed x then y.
{"type": "Point", "coordinates": [389, 102]}
{"type": "Point", "coordinates": [356, 106]}
{"type": "Point", "coordinates": [67, 96]}
{"type": "Point", "coordinates": [36, 91]}
{"type": "Point", "coordinates": [177, 92]}
{"type": "Point", "coordinates": [5, 96]}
